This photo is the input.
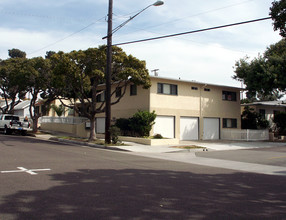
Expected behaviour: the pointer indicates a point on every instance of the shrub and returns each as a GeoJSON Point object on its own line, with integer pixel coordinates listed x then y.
{"type": "Point", "coordinates": [158, 136]}
{"type": "Point", "coordinates": [142, 122]}
{"type": "Point", "coordinates": [114, 132]}
{"type": "Point", "coordinates": [124, 125]}
{"type": "Point", "coordinates": [60, 110]}
{"type": "Point", "coordinates": [252, 120]}
{"type": "Point", "coordinates": [280, 121]}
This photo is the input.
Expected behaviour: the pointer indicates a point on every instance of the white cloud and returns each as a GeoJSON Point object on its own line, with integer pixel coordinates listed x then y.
{"type": "Point", "coordinates": [206, 56]}
{"type": "Point", "coordinates": [209, 63]}
{"type": "Point", "coordinates": [37, 43]}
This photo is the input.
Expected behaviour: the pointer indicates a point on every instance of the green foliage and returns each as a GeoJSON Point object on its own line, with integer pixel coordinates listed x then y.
{"type": "Point", "coordinates": [16, 53]}
{"type": "Point", "coordinates": [13, 80]}
{"type": "Point", "coordinates": [264, 75]}
{"type": "Point", "coordinates": [278, 14]}
{"type": "Point", "coordinates": [280, 121]}
{"type": "Point", "coordinates": [124, 125]}
{"type": "Point", "coordinates": [60, 110]}
{"type": "Point", "coordinates": [252, 120]}
{"type": "Point", "coordinates": [77, 76]}
{"type": "Point", "coordinates": [158, 136]}
{"type": "Point", "coordinates": [114, 133]}
{"type": "Point", "coordinates": [140, 124]}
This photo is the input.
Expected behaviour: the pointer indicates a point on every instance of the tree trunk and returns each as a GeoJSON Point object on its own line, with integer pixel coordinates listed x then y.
{"type": "Point", "coordinates": [92, 135]}
{"type": "Point", "coordinates": [35, 124]}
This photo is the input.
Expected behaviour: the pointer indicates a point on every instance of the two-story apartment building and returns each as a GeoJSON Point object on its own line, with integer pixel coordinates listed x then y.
{"type": "Point", "coordinates": [186, 110]}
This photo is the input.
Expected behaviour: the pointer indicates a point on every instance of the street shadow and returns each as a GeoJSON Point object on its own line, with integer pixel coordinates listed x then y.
{"type": "Point", "coordinates": [151, 194]}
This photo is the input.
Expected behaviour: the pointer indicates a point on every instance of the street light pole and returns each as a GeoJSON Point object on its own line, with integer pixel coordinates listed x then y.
{"type": "Point", "coordinates": [110, 31]}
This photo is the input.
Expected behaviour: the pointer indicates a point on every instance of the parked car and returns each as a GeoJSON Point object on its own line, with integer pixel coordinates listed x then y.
{"type": "Point", "coordinates": [12, 123]}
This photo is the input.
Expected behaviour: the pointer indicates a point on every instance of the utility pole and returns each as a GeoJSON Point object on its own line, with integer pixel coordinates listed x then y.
{"type": "Point", "coordinates": [108, 75]}
{"type": "Point", "coordinates": [109, 63]}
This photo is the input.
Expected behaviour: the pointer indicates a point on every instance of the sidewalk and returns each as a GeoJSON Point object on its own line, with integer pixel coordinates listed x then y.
{"type": "Point", "coordinates": [173, 153]}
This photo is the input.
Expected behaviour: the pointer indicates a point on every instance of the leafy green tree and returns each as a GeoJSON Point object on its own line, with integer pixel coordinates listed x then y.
{"type": "Point", "coordinates": [264, 75]}
{"type": "Point", "coordinates": [252, 120]}
{"type": "Point", "coordinates": [13, 82]}
{"type": "Point", "coordinates": [278, 14]}
{"type": "Point", "coordinates": [78, 77]}
{"type": "Point", "coordinates": [38, 75]}
{"type": "Point", "coordinates": [16, 53]}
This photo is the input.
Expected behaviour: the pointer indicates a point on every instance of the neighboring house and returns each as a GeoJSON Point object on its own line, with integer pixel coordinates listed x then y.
{"type": "Point", "coordinates": [22, 109]}
{"type": "Point", "coordinates": [186, 110]}
{"type": "Point", "coordinates": [267, 109]}
{"type": "Point", "coordinates": [47, 110]}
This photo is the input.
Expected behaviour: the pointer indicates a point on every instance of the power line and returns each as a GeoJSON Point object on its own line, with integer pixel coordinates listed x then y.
{"type": "Point", "coordinates": [64, 38]}
{"type": "Point", "coordinates": [201, 13]}
{"type": "Point", "coordinates": [192, 32]}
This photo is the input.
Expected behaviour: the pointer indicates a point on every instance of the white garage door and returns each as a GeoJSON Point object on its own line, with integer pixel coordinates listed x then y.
{"type": "Point", "coordinates": [100, 125]}
{"type": "Point", "coordinates": [211, 129]}
{"type": "Point", "coordinates": [189, 128]}
{"type": "Point", "coordinates": [165, 125]}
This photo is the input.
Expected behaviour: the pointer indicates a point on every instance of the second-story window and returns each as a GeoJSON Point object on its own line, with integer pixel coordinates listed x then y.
{"type": "Point", "coordinates": [229, 96]}
{"type": "Point", "coordinates": [100, 97]}
{"type": "Point", "coordinates": [168, 89]}
{"type": "Point", "coordinates": [133, 90]}
{"type": "Point", "coordinates": [118, 92]}
{"type": "Point", "coordinates": [194, 88]}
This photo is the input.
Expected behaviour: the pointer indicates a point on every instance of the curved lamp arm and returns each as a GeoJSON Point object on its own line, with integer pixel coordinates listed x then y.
{"type": "Point", "coordinates": [157, 3]}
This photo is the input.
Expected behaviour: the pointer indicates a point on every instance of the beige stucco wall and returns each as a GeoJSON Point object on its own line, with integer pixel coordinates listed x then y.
{"type": "Point", "coordinates": [78, 130]}
{"type": "Point", "coordinates": [194, 103]}
{"type": "Point", "coordinates": [129, 105]}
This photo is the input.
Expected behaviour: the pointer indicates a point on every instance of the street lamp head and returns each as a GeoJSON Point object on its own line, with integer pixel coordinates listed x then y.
{"type": "Point", "coordinates": [158, 3]}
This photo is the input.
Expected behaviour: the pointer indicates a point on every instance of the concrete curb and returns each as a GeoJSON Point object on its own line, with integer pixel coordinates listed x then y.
{"type": "Point", "coordinates": [87, 144]}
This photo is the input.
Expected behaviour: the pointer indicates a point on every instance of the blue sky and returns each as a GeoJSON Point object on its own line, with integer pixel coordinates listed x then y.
{"type": "Point", "coordinates": [37, 26]}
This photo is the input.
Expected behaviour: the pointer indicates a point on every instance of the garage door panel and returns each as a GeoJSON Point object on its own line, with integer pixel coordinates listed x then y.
{"type": "Point", "coordinates": [100, 125]}
{"type": "Point", "coordinates": [211, 129]}
{"type": "Point", "coordinates": [165, 125]}
{"type": "Point", "coordinates": [189, 128]}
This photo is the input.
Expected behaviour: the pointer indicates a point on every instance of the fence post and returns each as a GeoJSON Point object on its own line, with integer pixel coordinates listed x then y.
{"type": "Point", "coordinates": [247, 135]}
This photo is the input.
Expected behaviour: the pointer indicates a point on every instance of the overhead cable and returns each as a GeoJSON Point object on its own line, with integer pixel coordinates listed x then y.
{"type": "Point", "coordinates": [192, 32]}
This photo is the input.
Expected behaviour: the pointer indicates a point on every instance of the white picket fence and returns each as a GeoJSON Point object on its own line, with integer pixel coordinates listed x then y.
{"type": "Point", "coordinates": [245, 134]}
{"type": "Point", "coordinates": [62, 120]}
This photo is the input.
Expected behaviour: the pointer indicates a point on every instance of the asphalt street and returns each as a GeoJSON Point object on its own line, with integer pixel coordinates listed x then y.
{"type": "Point", "coordinates": [49, 180]}
{"type": "Point", "coordinates": [275, 156]}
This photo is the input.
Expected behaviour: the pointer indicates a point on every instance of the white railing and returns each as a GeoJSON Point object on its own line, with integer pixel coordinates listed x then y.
{"type": "Point", "coordinates": [245, 134]}
{"type": "Point", "coordinates": [62, 120]}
